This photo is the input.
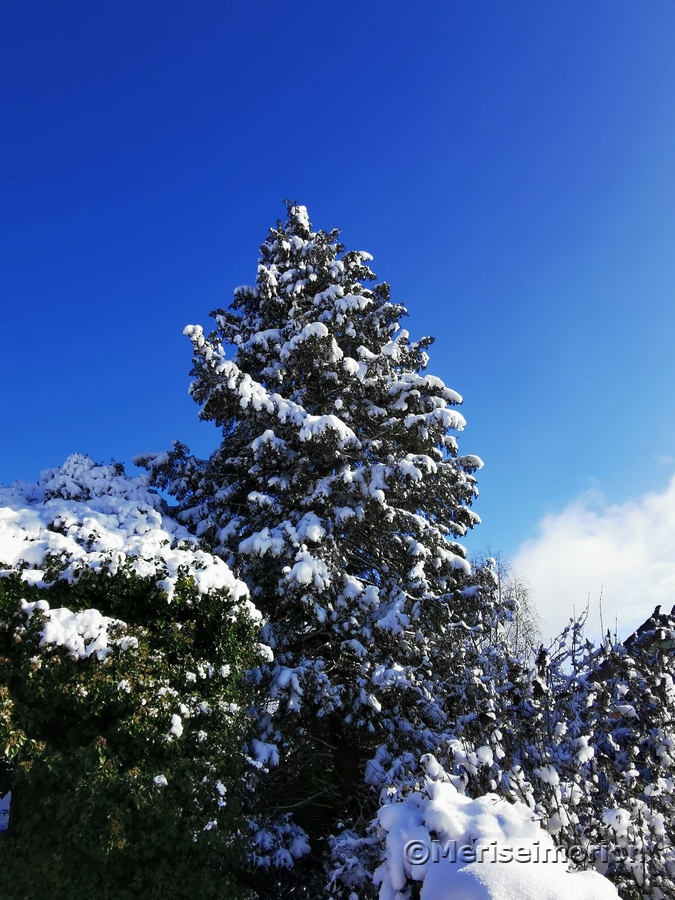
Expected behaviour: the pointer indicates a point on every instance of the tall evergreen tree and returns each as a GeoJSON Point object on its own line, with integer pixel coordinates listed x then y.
{"type": "Point", "coordinates": [338, 495]}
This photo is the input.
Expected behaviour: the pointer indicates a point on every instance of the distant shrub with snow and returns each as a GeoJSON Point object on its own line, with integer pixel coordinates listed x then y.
{"type": "Point", "coordinates": [122, 705]}
{"type": "Point", "coordinates": [595, 753]}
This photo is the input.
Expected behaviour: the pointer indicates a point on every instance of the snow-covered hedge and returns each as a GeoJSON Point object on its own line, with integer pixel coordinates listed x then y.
{"type": "Point", "coordinates": [123, 648]}
{"type": "Point", "coordinates": [82, 515]}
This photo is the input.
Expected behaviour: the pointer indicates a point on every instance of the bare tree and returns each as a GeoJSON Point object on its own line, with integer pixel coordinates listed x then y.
{"type": "Point", "coordinates": [522, 631]}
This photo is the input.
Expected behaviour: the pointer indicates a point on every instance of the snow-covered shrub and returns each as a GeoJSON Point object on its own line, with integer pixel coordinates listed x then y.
{"type": "Point", "coordinates": [457, 847]}
{"type": "Point", "coordinates": [595, 755]}
{"type": "Point", "coordinates": [123, 648]}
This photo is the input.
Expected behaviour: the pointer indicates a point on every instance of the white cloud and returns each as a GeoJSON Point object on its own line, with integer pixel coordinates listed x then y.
{"type": "Point", "coordinates": [627, 551]}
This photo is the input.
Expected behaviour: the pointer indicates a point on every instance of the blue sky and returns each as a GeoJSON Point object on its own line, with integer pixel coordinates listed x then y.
{"type": "Point", "coordinates": [510, 166]}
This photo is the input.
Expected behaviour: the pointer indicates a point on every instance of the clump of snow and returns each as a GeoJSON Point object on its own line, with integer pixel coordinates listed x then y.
{"type": "Point", "coordinates": [176, 725]}
{"type": "Point", "coordinates": [482, 849]}
{"type": "Point", "coordinates": [265, 754]}
{"type": "Point", "coordinates": [313, 330]}
{"type": "Point", "coordinates": [309, 570]}
{"type": "Point", "coordinates": [301, 215]}
{"type": "Point", "coordinates": [262, 542]}
{"type": "Point", "coordinates": [318, 425]}
{"type": "Point", "coordinates": [83, 633]}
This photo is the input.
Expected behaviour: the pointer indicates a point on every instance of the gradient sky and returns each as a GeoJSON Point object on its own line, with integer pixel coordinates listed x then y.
{"type": "Point", "coordinates": [510, 166]}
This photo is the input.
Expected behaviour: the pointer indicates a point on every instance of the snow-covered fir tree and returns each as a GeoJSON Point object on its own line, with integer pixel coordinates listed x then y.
{"type": "Point", "coordinates": [339, 496]}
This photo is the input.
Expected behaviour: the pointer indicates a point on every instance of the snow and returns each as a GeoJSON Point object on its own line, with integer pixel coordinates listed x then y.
{"type": "Point", "coordinates": [332, 293]}
{"type": "Point", "coordinates": [260, 499]}
{"type": "Point", "coordinates": [86, 516]}
{"type": "Point", "coordinates": [314, 426]}
{"type": "Point", "coordinates": [408, 380]}
{"type": "Point", "coordinates": [309, 528]}
{"type": "Point", "coordinates": [351, 366]}
{"type": "Point", "coordinates": [395, 676]}
{"type": "Point", "coordinates": [348, 302]}
{"type": "Point", "coordinates": [485, 755]}
{"type": "Point", "coordinates": [96, 517]}
{"type": "Point", "coordinates": [267, 437]}
{"type": "Point", "coordinates": [83, 633]}
{"type": "Point", "coordinates": [474, 849]}
{"type": "Point", "coordinates": [548, 775]}
{"type": "Point", "coordinates": [266, 754]}
{"type": "Point", "coordinates": [300, 214]}
{"type": "Point", "coordinates": [313, 330]}
{"type": "Point", "coordinates": [266, 652]}
{"type": "Point", "coordinates": [309, 570]}
{"type": "Point", "coordinates": [265, 339]}
{"type": "Point", "coordinates": [176, 725]}
{"type": "Point", "coordinates": [366, 354]}
{"type": "Point", "coordinates": [262, 542]}
{"type": "Point", "coordinates": [448, 418]}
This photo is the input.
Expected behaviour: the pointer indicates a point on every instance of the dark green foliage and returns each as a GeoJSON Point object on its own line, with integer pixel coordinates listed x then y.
{"type": "Point", "coordinates": [87, 737]}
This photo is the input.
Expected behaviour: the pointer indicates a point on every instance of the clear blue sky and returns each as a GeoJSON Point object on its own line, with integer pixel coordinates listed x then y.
{"type": "Point", "coordinates": [510, 166]}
